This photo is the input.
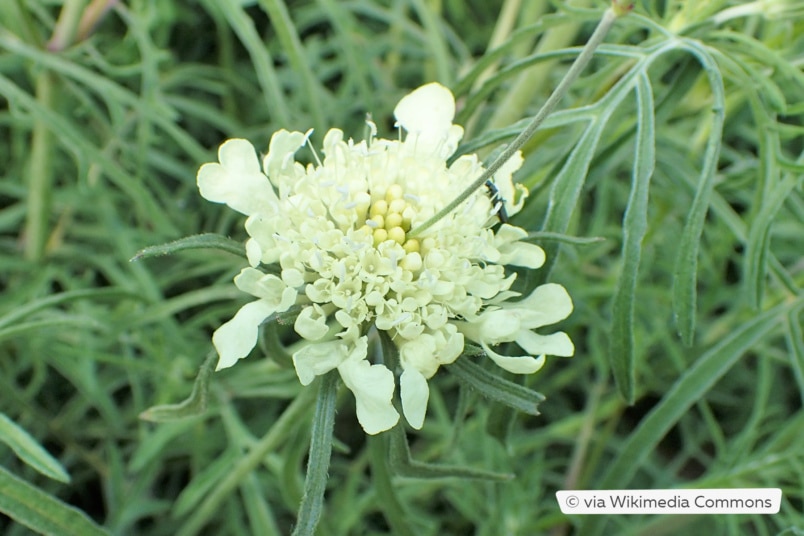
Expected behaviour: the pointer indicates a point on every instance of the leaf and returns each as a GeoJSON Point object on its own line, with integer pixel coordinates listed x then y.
{"type": "Point", "coordinates": [30, 451]}
{"type": "Point", "coordinates": [683, 394]}
{"type": "Point", "coordinates": [159, 441]}
{"type": "Point", "coordinates": [403, 464]}
{"type": "Point", "coordinates": [635, 224]}
{"type": "Point", "coordinates": [261, 518]}
{"type": "Point", "coordinates": [201, 241]}
{"type": "Point", "coordinates": [795, 342]}
{"type": "Point", "coordinates": [60, 322]}
{"type": "Point", "coordinates": [203, 482]}
{"type": "Point", "coordinates": [494, 387]}
{"type": "Point", "coordinates": [686, 268]}
{"type": "Point", "coordinates": [194, 405]}
{"type": "Point", "coordinates": [243, 26]}
{"type": "Point", "coordinates": [759, 237]}
{"type": "Point", "coordinates": [564, 238]}
{"type": "Point", "coordinates": [280, 431]}
{"type": "Point", "coordinates": [40, 511]}
{"type": "Point", "coordinates": [21, 311]}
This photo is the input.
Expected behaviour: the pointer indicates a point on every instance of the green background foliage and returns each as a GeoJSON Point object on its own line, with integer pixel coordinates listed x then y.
{"type": "Point", "coordinates": [666, 190]}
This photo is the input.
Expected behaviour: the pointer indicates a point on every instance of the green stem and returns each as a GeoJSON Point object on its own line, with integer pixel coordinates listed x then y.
{"type": "Point", "coordinates": [40, 171]}
{"type": "Point", "coordinates": [318, 463]}
{"type": "Point", "coordinates": [67, 26]}
{"type": "Point", "coordinates": [574, 71]}
{"type": "Point", "coordinates": [383, 487]}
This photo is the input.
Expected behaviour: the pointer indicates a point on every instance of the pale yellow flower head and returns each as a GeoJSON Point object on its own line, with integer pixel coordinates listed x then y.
{"type": "Point", "coordinates": [333, 239]}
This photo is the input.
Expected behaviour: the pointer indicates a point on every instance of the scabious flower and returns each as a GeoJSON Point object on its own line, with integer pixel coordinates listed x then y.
{"type": "Point", "coordinates": [335, 241]}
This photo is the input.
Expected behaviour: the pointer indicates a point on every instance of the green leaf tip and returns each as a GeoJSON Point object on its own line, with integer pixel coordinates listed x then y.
{"type": "Point", "coordinates": [403, 464]}
{"type": "Point", "coordinates": [195, 404]}
{"type": "Point", "coordinates": [200, 241]}
{"type": "Point", "coordinates": [30, 451]}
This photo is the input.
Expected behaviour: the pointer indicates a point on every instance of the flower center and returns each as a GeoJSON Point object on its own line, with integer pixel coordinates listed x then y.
{"type": "Point", "coordinates": [390, 219]}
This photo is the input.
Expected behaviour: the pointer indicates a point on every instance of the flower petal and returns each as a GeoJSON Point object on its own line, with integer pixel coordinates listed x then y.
{"type": "Point", "coordinates": [546, 305]}
{"type": "Point", "coordinates": [554, 344]}
{"type": "Point", "coordinates": [237, 180]}
{"type": "Point", "coordinates": [266, 286]}
{"type": "Point", "coordinates": [311, 323]}
{"type": "Point", "coordinates": [427, 111]}
{"type": "Point", "coordinates": [281, 151]}
{"type": "Point", "coordinates": [512, 251]}
{"type": "Point", "coordinates": [262, 246]}
{"type": "Point", "coordinates": [373, 387]}
{"type": "Point", "coordinates": [318, 358]}
{"type": "Point", "coordinates": [522, 254]}
{"type": "Point", "coordinates": [449, 344]}
{"type": "Point", "coordinates": [499, 326]}
{"type": "Point", "coordinates": [419, 353]}
{"type": "Point", "coordinates": [517, 364]}
{"type": "Point", "coordinates": [414, 393]}
{"type": "Point", "coordinates": [236, 338]}
{"type": "Point", "coordinates": [426, 114]}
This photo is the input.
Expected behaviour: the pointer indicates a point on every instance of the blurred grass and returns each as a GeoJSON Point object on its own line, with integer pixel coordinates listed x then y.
{"type": "Point", "coordinates": [102, 137]}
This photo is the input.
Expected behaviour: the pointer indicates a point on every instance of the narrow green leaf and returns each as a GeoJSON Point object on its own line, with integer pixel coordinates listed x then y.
{"type": "Point", "coordinates": [162, 437]}
{"type": "Point", "coordinates": [683, 394]}
{"type": "Point", "coordinates": [59, 322]}
{"type": "Point", "coordinates": [73, 137]}
{"type": "Point", "coordinates": [40, 511]}
{"type": "Point", "coordinates": [439, 54]}
{"type": "Point", "coordinates": [195, 404]}
{"type": "Point", "coordinates": [203, 482]}
{"type": "Point", "coordinates": [494, 387]}
{"type": "Point", "coordinates": [261, 519]}
{"type": "Point", "coordinates": [564, 238]}
{"type": "Point", "coordinates": [568, 184]}
{"type": "Point", "coordinates": [280, 431]}
{"type": "Point", "coordinates": [403, 464]}
{"type": "Point", "coordinates": [288, 37]}
{"type": "Point", "coordinates": [635, 225]}
{"type": "Point", "coordinates": [30, 451]}
{"type": "Point", "coordinates": [201, 241]}
{"type": "Point", "coordinates": [788, 164]}
{"type": "Point", "coordinates": [686, 268]}
{"type": "Point", "coordinates": [19, 312]}
{"type": "Point", "coordinates": [261, 60]}
{"type": "Point", "coordinates": [795, 342]}
{"type": "Point", "coordinates": [758, 242]}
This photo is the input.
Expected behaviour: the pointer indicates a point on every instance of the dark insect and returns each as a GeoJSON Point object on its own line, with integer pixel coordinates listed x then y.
{"type": "Point", "coordinates": [499, 202]}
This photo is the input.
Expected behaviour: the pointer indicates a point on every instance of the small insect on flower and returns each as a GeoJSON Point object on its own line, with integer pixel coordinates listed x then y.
{"type": "Point", "coordinates": [499, 205]}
